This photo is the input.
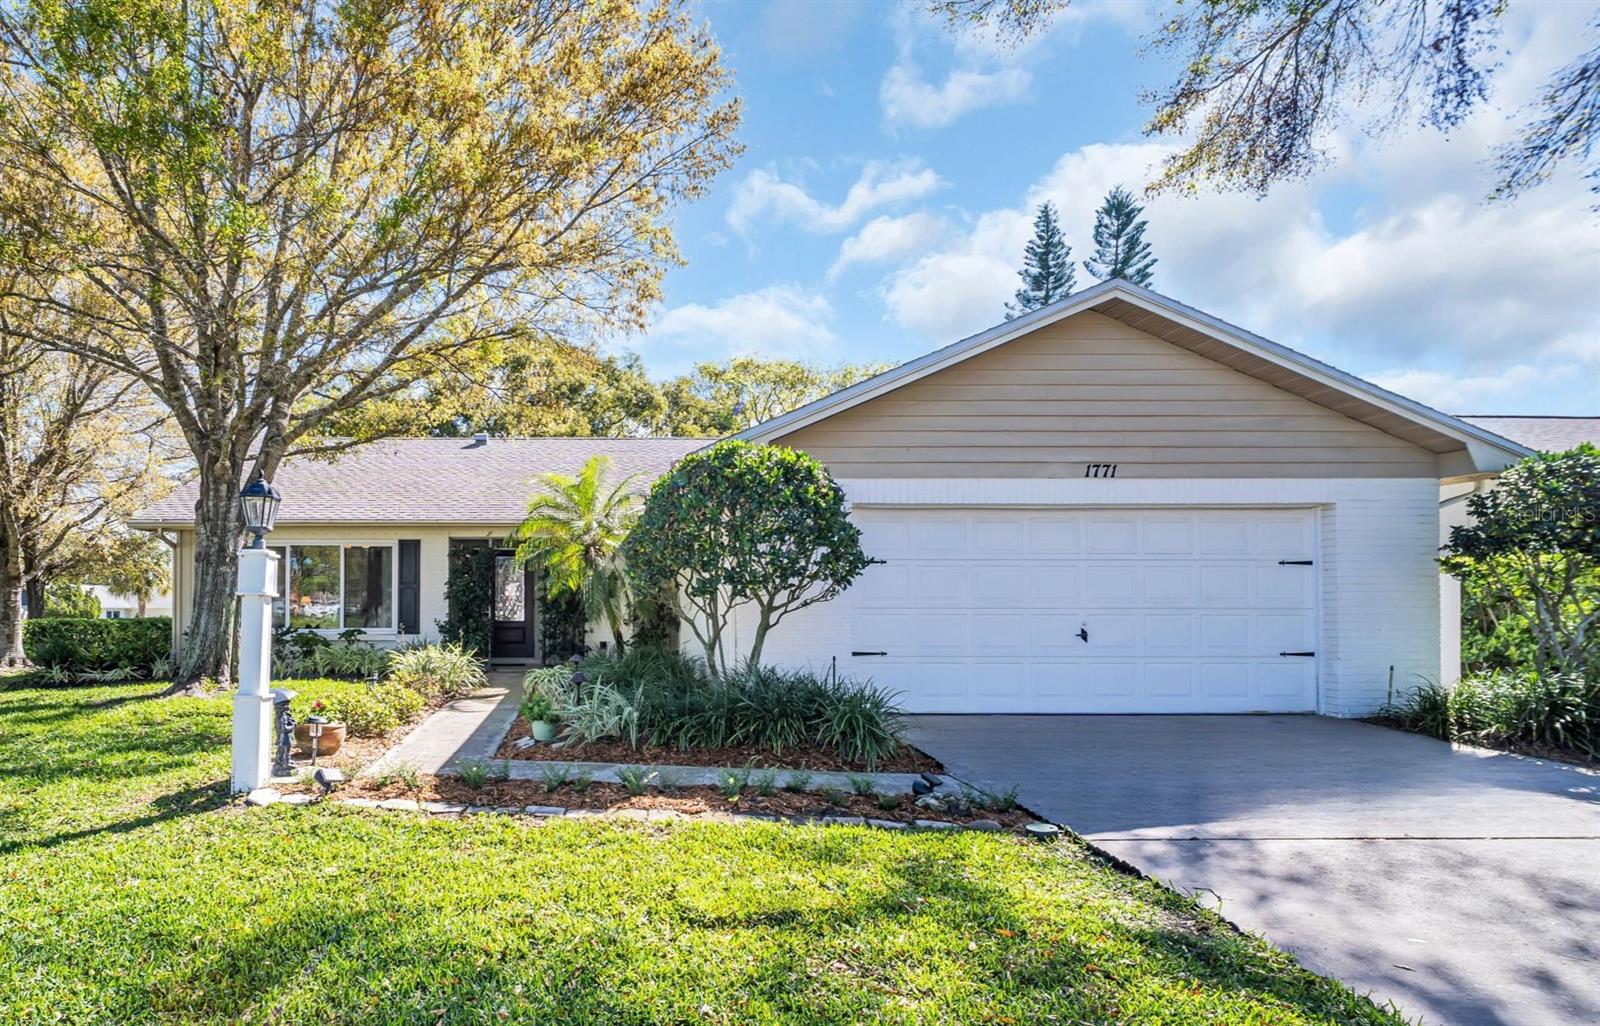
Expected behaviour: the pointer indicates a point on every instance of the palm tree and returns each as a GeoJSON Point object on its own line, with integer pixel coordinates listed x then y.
{"type": "Point", "coordinates": [574, 530]}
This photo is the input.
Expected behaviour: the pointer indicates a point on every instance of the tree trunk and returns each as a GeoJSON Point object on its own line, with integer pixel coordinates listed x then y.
{"type": "Point", "coordinates": [208, 642]}
{"type": "Point", "coordinates": [142, 603]}
{"type": "Point", "coordinates": [34, 586]}
{"type": "Point", "coordinates": [11, 651]}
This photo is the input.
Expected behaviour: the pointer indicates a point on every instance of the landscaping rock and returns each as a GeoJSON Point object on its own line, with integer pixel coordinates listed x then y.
{"type": "Point", "coordinates": [582, 813]}
{"type": "Point", "coordinates": [398, 804]}
{"type": "Point", "coordinates": [984, 824]}
{"type": "Point", "coordinates": [361, 803]}
{"type": "Point", "coordinates": [887, 824]}
{"type": "Point", "coordinates": [297, 799]}
{"type": "Point", "coordinates": [545, 810]}
{"type": "Point", "coordinates": [522, 743]}
{"type": "Point", "coordinates": [478, 810]}
{"type": "Point", "coordinates": [934, 824]}
{"type": "Point", "coordinates": [443, 808]}
{"type": "Point", "coordinates": [263, 796]}
{"type": "Point", "coordinates": [845, 821]}
{"type": "Point", "coordinates": [506, 810]}
{"type": "Point", "coordinates": [932, 802]}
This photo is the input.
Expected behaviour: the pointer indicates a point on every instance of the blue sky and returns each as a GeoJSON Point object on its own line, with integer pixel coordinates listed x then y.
{"type": "Point", "coordinates": [891, 169]}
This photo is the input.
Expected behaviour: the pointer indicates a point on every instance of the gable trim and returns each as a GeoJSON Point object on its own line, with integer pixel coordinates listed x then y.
{"type": "Point", "coordinates": [1483, 447]}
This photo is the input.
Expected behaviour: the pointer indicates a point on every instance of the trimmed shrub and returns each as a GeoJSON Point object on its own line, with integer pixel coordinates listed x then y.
{"type": "Point", "coordinates": [437, 671]}
{"type": "Point", "coordinates": [74, 645]}
{"type": "Point", "coordinates": [368, 710]}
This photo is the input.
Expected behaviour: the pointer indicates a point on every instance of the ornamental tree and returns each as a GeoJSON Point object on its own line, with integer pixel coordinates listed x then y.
{"type": "Point", "coordinates": [283, 211]}
{"type": "Point", "coordinates": [744, 524]}
{"type": "Point", "coordinates": [1535, 539]}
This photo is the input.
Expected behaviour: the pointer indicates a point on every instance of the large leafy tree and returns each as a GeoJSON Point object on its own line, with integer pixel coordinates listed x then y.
{"type": "Point", "coordinates": [1264, 82]}
{"type": "Point", "coordinates": [1046, 273]}
{"type": "Point", "coordinates": [1534, 541]}
{"type": "Point", "coordinates": [574, 532]}
{"type": "Point", "coordinates": [743, 524]}
{"type": "Point", "coordinates": [285, 210]}
{"type": "Point", "coordinates": [80, 447]}
{"type": "Point", "coordinates": [723, 398]}
{"type": "Point", "coordinates": [1120, 249]}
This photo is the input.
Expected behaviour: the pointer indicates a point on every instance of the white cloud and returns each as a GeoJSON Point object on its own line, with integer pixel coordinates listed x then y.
{"type": "Point", "coordinates": [1424, 284]}
{"type": "Point", "coordinates": [780, 320]}
{"type": "Point", "coordinates": [763, 194]}
{"type": "Point", "coordinates": [909, 100]}
{"type": "Point", "coordinates": [889, 238]}
{"type": "Point", "coordinates": [1467, 393]}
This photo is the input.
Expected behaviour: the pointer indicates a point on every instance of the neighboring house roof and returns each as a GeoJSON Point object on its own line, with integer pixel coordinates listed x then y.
{"type": "Point", "coordinates": [436, 480]}
{"type": "Point", "coordinates": [1547, 434]}
{"type": "Point", "coordinates": [1470, 449]}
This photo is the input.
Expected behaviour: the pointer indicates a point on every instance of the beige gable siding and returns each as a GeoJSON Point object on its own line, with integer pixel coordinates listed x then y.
{"type": "Point", "coordinates": [1090, 389]}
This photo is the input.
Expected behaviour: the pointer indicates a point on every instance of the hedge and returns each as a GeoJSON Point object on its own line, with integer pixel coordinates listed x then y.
{"type": "Point", "coordinates": [82, 645]}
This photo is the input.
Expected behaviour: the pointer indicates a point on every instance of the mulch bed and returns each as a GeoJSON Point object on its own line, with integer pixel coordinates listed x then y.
{"type": "Point", "coordinates": [808, 757]}
{"type": "Point", "coordinates": [688, 801]}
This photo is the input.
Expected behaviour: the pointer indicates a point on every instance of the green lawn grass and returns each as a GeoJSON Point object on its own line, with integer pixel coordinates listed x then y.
{"type": "Point", "coordinates": [131, 891]}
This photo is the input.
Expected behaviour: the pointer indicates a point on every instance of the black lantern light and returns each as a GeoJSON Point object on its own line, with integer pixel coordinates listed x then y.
{"type": "Point", "coordinates": [259, 500]}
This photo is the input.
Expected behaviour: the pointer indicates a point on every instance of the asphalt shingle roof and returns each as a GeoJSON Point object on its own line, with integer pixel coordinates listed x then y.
{"type": "Point", "coordinates": [1547, 434]}
{"type": "Point", "coordinates": [437, 480]}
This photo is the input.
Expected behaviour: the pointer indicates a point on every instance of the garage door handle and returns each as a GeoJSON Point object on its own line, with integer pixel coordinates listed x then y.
{"type": "Point", "coordinates": [1294, 562]}
{"type": "Point", "coordinates": [868, 653]}
{"type": "Point", "coordinates": [1297, 653]}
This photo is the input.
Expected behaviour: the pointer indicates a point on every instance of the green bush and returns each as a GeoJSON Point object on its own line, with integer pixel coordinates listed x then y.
{"type": "Point", "coordinates": [1506, 709]}
{"type": "Point", "coordinates": [354, 661]}
{"type": "Point", "coordinates": [73, 645]}
{"type": "Point", "coordinates": [70, 600]}
{"type": "Point", "coordinates": [368, 710]}
{"type": "Point", "coordinates": [660, 697]}
{"type": "Point", "coordinates": [437, 671]}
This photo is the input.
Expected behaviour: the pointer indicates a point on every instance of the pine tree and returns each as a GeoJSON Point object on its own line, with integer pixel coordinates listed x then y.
{"type": "Point", "coordinates": [1046, 266]}
{"type": "Point", "coordinates": [1120, 249]}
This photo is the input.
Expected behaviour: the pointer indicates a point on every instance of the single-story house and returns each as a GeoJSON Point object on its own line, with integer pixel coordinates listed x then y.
{"type": "Point", "coordinates": [1113, 504]}
{"type": "Point", "coordinates": [1544, 434]}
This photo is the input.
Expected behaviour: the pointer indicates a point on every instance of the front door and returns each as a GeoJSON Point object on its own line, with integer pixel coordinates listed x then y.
{"type": "Point", "coordinates": [516, 634]}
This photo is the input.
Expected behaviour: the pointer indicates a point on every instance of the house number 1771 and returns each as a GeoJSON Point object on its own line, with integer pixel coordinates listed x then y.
{"type": "Point", "coordinates": [1100, 470]}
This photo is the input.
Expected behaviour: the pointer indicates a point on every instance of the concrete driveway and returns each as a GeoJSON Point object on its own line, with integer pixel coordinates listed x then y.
{"type": "Point", "coordinates": [1463, 886]}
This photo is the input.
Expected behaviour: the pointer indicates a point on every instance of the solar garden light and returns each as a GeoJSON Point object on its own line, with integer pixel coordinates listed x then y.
{"type": "Point", "coordinates": [314, 725]}
{"type": "Point", "coordinates": [281, 766]}
{"type": "Point", "coordinates": [258, 586]}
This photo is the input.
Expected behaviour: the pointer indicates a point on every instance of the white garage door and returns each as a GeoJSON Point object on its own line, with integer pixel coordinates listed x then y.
{"type": "Point", "coordinates": [1183, 610]}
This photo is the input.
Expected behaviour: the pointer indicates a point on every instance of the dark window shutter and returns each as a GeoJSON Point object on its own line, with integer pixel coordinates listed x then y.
{"type": "Point", "coordinates": [410, 587]}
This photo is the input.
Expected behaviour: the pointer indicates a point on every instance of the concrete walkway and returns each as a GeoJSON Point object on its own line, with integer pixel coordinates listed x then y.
{"type": "Point", "coordinates": [470, 727]}
{"type": "Point", "coordinates": [1462, 885]}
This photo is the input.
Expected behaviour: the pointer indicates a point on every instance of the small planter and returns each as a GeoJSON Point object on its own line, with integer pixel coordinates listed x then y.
{"type": "Point", "coordinates": [543, 730]}
{"type": "Point", "coordinates": [332, 737]}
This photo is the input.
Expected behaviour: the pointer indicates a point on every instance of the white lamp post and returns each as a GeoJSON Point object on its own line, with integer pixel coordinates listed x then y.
{"type": "Point", "coordinates": [258, 586]}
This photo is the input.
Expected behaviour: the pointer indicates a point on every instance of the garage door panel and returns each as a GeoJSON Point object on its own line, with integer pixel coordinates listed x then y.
{"type": "Point", "coordinates": [938, 537]}
{"type": "Point", "coordinates": [1168, 632]}
{"type": "Point", "coordinates": [1054, 536]}
{"type": "Point", "coordinates": [1113, 536]}
{"type": "Point", "coordinates": [1111, 584]}
{"type": "Point", "coordinates": [940, 584]}
{"type": "Point", "coordinates": [1051, 634]}
{"type": "Point", "coordinates": [1054, 584]}
{"type": "Point", "coordinates": [1186, 610]}
{"type": "Point", "coordinates": [1166, 682]}
{"type": "Point", "coordinates": [998, 584]}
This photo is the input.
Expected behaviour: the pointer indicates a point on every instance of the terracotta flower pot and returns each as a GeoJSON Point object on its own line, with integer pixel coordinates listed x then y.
{"type": "Point", "coordinates": [332, 737]}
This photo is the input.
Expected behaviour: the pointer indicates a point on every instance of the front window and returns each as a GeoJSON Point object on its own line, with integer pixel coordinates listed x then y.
{"type": "Point", "coordinates": [368, 577]}
{"type": "Point", "coordinates": [314, 586]}
{"type": "Point", "coordinates": [335, 587]}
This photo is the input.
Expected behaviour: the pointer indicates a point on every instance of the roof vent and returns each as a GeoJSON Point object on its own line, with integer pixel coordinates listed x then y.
{"type": "Point", "coordinates": [481, 438]}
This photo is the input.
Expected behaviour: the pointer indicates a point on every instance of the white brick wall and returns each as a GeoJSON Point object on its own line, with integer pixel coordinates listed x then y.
{"type": "Point", "coordinates": [1380, 591]}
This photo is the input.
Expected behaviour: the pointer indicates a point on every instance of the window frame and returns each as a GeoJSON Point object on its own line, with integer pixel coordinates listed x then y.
{"type": "Point", "coordinates": [392, 544]}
